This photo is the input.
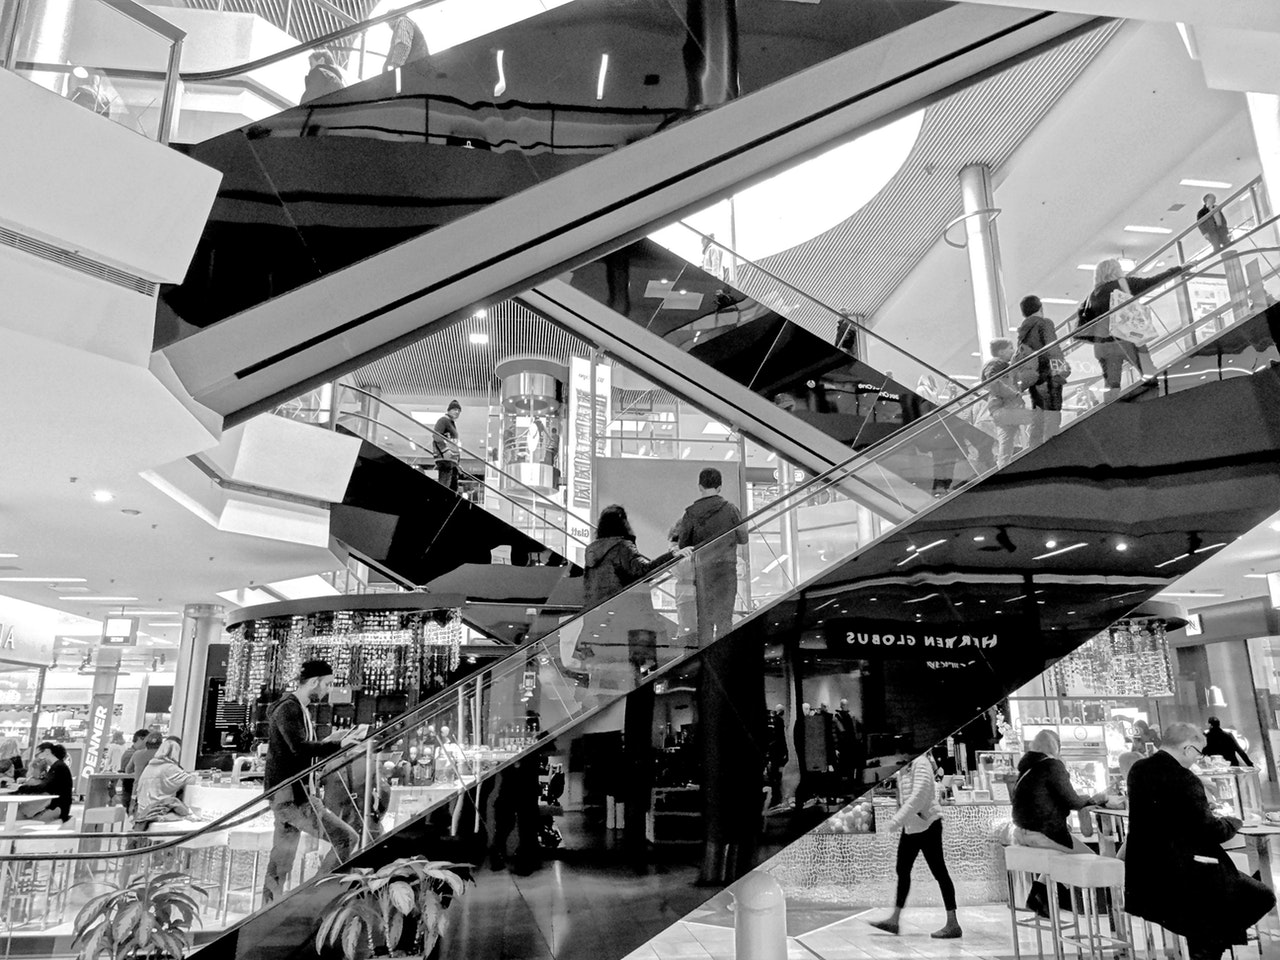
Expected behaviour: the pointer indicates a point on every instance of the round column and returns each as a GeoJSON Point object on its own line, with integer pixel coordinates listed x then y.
{"type": "Point", "coordinates": [983, 247]}
{"type": "Point", "coordinates": [202, 625]}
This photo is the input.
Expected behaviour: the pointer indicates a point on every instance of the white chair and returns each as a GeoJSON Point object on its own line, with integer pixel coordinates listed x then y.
{"type": "Point", "coordinates": [1085, 875]}
{"type": "Point", "coordinates": [1023, 866]}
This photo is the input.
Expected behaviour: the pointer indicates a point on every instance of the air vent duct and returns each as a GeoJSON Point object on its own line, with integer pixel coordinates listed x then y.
{"type": "Point", "coordinates": [77, 262]}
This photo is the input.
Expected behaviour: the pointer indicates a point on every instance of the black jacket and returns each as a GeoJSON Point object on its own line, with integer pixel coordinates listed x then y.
{"type": "Point", "coordinates": [58, 781]}
{"type": "Point", "coordinates": [289, 752]}
{"type": "Point", "coordinates": [1098, 303]}
{"type": "Point", "coordinates": [1036, 333]}
{"type": "Point", "coordinates": [1043, 797]}
{"type": "Point", "coordinates": [321, 81]}
{"type": "Point", "coordinates": [1170, 826]}
{"type": "Point", "coordinates": [1219, 743]}
{"type": "Point", "coordinates": [706, 519]}
{"type": "Point", "coordinates": [610, 565]}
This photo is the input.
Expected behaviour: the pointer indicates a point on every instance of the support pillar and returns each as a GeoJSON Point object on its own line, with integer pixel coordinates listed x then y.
{"type": "Point", "coordinates": [201, 626]}
{"type": "Point", "coordinates": [102, 704]}
{"type": "Point", "coordinates": [1264, 115]}
{"type": "Point", "coordinates": [983, 246]}
{"type": "Point", "coordinates": [711, 53]}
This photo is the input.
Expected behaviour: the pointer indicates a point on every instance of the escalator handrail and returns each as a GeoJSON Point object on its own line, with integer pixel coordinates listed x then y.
{"type": "Point", "coordinates": [469, 476]}
{"type": "Point", "coordinates": [542, 497]}
{"type": "Point", "coordinates": [830, 309]}
{"type": "Point", "coordinates": [412, 717]}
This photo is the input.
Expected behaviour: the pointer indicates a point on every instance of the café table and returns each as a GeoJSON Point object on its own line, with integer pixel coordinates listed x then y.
{"type": "Point", "coordinates": [11, 803]}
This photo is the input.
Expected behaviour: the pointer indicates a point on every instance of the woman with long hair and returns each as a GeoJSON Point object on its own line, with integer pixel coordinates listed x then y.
{"type": "Point", "coordinates": [156, 793]}
{"type": "Point", "coordinates": [11, 767]}
{"type": "Point", "coordinates": [1113, 352]}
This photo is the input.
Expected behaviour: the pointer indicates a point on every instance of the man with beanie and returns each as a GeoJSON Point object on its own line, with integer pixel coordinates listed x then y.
{"type": "Point", "coordinates": [446, 446]}
{"type": "Point", "coordinates": [292, 747]}
{"type": "Point", "coordinates": [715, 566]}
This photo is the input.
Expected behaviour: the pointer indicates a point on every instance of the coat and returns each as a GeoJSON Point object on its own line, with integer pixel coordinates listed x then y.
{"type": "Point", "coordinates": [708, 518]}
{"type": "Point", "coordinates": [610, 566]}
{"type": "Point", "coordinates": [160, 781]}
{"type": "Point", "coordinates": [58, 781]}
{"type": "Point", "coordinates": [1176, 872]}
{"type": "Point", "coordinates": [289, 752]}
{"type": "Point", "coordinates": [1043, 797]}
{"type": "Point", "coordinates": [920, 808]}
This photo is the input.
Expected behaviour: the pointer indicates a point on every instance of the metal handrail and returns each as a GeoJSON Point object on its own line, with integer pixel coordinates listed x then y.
{"type": "Point", "coordinates": [1195, 226]}
{"type": "Point", "coordinates": [470, 453]}
{"type": "Point", "coordinates": [830, 309]}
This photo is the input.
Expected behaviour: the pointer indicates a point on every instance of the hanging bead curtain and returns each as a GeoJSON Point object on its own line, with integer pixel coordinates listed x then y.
{"type": "Point", "coordinates": [1131, 659]}
{"type": "Point", "coordinates": [377, 651]}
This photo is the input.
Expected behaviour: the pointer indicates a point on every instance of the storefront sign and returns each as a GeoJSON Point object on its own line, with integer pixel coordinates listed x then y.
{"type": "Point", "coordinates": [579, 477]}
{"type": "Point", "coordinates": [941, 646]}
{"type": "Point", "coordinates": [19, 645]}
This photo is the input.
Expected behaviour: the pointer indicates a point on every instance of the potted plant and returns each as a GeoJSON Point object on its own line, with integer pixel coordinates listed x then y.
{"type": "Point", "coordinates": [382, 910]}
{"type": "Point", "coordinates": [149, 917]}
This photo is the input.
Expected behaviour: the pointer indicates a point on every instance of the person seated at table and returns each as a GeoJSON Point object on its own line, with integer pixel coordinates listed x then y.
{"type": "Point", "coordinates": [1043, 798]}
{"type": "Point", "coordinates": [57, 780]}
{"type": "Point", "coordinates": [1176, 872]}
{"type": "Point", "coordinates": [156, 792]}
{"type": "Point", "coordinates": [11, 767]}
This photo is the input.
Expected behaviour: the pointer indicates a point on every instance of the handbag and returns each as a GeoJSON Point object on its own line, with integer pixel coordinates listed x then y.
{"type": "Point", "coordinates": [1130, 319]}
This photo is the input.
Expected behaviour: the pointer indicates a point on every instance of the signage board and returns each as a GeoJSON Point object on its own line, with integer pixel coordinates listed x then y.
{"type": "Point", "coordinates": [119, 631]}
{"type": "Point", "coordinates": [940, 646]}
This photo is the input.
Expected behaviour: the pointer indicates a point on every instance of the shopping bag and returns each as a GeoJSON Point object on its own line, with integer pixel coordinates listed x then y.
{"type": "Point", "coordinates": [1130, 319]}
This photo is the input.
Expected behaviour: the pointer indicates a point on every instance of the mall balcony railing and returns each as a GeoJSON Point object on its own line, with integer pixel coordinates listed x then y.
{"type": "Point", "coordinates": [370, 417]}
{"type": "Point", "coordinates": [589, 661]}
{"type": "Point", "coordinates": [152, 44]}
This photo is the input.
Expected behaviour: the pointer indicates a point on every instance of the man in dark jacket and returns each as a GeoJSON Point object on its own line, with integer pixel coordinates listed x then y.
{"type": "Point", "coordinates": [1176, 872]}
{"type": "Point", "coordinates": [715, 569]}
{"type": "Point", "coordinates": [1213, 224]}
{"type": "Point", "coordinates": [292, 748]}
{"type": "Point", "coordinates": [57, 780]}
{"type": "Point", "coordinates": [446, 446]}
{"type": "Point", "coordinates": [1220, 743]}
{"type": "Point", "coordinates": [1036, 333]}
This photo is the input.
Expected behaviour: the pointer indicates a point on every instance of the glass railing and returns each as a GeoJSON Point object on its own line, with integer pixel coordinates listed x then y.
{"type": "Point", "coordinates": [812, 368]}
{"type": "Point", "coordinates": [118, 58]}
{"type": "Point", "coordinates": [435, 760]}
{"type": "Point", "coordinates": [448, 131]}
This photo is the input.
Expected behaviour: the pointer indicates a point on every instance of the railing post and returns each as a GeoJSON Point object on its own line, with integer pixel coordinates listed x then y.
{"type": "Point", "coordinates": [10, 25]}
{"type": "Point", "coordinates": [168, 97]}
{"type": "Point", "coordinates": [370, 778]}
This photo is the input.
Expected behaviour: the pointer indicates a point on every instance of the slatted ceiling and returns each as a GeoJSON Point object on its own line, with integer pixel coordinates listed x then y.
{"type": "Point", "coordinates": [855, 266]}
{"type": "Point", "coordinates": [447, 363]}
{"type": "Point", "coordinates": [305, 19]}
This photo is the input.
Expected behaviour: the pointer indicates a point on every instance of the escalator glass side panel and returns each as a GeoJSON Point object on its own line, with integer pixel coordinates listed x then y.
{"type": "Point", "coordinates": [962, 603]}
{"type": "Point", "coordinates": [399, 152]}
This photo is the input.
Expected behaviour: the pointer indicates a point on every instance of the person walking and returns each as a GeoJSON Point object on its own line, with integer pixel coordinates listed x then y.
{"type": "Point", "coordinates": [1112, 352]}
{"type": "Point", "coordinates": [1004, 400]}
{"type": "Point", "coordinates": [446, 446]}
{"type": "Point", "coordinates": [920, 820]}
{"type": "Point", "coordinates": [323, 78]}
{"type": "Point", "coordinates": [1176, 872]}
{"type": "Point", "coordinates": [715, 566]}
{"type": "Point", "coordinates": [1211, 222]}
{"type": "Point", "coordinates": [1220, 743]}
{"type": "Point", "coordinates": [292, 747]}
{"type": "Point", "coordinates": [1036, 333]}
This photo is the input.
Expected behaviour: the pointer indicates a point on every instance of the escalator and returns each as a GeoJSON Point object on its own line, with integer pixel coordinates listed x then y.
{"type": "Point", "coordinates": [347, 226]}
{"type": "Point", "coordinates": [938, 619]}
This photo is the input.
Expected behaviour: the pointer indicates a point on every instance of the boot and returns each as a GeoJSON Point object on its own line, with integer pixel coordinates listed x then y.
{"type": "Point", "coordinates": [950, 930]}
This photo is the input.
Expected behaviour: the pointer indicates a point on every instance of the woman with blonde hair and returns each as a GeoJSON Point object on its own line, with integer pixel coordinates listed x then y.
{"type": "Point", "coordinates": [1112, 352]}
{"type": "Point", "coordinates": [11, 761]}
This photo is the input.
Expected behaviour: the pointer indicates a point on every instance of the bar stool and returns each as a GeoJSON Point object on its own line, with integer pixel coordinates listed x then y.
{"type": "Point", "coordinates": [252, 840]}
{"type": "Point", "coordinates": [1171, 944]}
{"type": "Point", "coordinates": [35, 879]}
{"type": "Point", "coordinates": [1084, 875]}
{"type": "Point", "coordinates": [107, 821]}
{"type": "Point", "coordinates": [1023, 866]}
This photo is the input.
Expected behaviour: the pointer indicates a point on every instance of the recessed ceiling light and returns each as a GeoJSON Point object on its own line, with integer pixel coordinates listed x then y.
{"type": "Point", "coordinates": [1143, 228]}
{"type": "Point", "coordinates": [8, 556]}
{"type": "Point", "coordinates": [80, 72]}
{"type": "Point", "coordinates": [103, 496]}
{"type": "Point", "coordinates": [1050, 544]}
{"type": "Point", "coordinates": [478, 339]}
{"type": "Point", "coordinates": [100, 599]}
{"type": "Point", "coordinates": [176, 623]}
{"type": "Point", "coordinates": [979, 538]}
{"type": "Point", "coordinates": [1255, 576]}
{"type": "Point", "coordinates": [1122, 546]}
{"type": "Point", "coordinates": [1210, 184]}
{"type": "Point", "coordinates": [1062, 300]}
{"type": "Point", "coordinates": [42, 579]}
{"type": "Point", "coordinates": [1086, 266]}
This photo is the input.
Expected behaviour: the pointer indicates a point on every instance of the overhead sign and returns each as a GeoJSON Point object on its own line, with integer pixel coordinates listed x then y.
{"type": "Point", "coordinates": [941, 646]}
{"type": "Point", "coordinates": [119, 631]}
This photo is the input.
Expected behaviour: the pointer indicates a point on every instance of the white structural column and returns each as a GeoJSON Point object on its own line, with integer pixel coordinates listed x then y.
{"type": "Point", "coordinates": [201, 626]}
{"type": "Point", "coordinates": [984, 253]}
{"type": "Point", "coordinates": [1264, 114]}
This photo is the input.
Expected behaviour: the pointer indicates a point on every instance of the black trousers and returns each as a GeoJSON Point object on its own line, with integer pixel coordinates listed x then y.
{"type": "Point", "coordinates": [447, 474]}
{"type": "Point", "coordinates": [928, 842]}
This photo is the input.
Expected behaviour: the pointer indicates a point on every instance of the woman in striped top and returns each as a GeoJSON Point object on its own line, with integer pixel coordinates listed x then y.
{"type": "Point", "coordinates": [920, 820]}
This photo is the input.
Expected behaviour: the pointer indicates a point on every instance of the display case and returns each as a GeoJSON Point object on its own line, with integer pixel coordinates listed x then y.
{"type": "Point", "coordinates": [996, 771]}
{"type": "Point", "coordinates": [1234, 792]}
